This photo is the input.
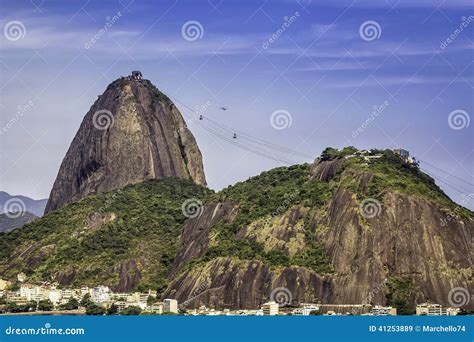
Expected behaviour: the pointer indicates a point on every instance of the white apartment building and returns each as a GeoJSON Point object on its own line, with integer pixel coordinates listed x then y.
{"type": "Point", "coordinates": [429, 309]}
{"type": "Point", "coordinates": [100, 294]}
{"type": "Point", "coordinates": [170, 305]}
{"type": "Point", "coordinates": [33, 293]}
{"type": "Point", "coordinates": [306, 310]}
{"type": "Point", "coordinates": [55, 296]}
{"type": "Point", "coordinates": [270, 309]}
{"type": "Point", "coordinates": [156, 308]}
{"type": "Point", "coordinates": [383, 311]}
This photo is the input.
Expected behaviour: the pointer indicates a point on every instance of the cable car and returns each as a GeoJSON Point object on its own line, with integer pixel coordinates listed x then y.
{"type": "Point", "coordinates": [235, 136]}
{"type": "Point", "coordinates": [200, 117]}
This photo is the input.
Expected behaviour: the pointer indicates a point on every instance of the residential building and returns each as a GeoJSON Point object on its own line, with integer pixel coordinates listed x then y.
{"type": "Point", "coordinates": [306, 309]}
{"type": "Point", "coordinates": [170, 305]}
{"type": "Point", "coordinates": [55, 296]}
{"type": "Point", "coordinates": [100, 294]}
{"type": "Point", "coordinates": [430, 309]}
{"type": "Point", "coordinates": [270, 309]}
{"type": "Point", "coordinates": [156, 308]}
{"type": "Point", "coordinates": [121, 305]}
{"type": "Point", "coordinates": [383, 311]}
{"type": "Point", "coordinates": [33, 292]}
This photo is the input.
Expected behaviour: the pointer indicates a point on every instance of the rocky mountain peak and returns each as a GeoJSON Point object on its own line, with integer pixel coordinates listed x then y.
{"type": "Point", "coordinates": [133, 132]}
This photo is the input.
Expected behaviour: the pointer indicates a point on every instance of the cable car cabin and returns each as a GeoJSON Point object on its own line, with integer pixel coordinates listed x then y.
{"type": "Point", "coordinates": [137, 75]}
{"type": "Point", "coordinates": [235, 136]}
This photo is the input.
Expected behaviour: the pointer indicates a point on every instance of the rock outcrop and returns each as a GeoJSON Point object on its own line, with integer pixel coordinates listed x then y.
{"type": "Point", "coordinates": [409, 239]}
{"type": "Point", "coordinates": [132, 133]}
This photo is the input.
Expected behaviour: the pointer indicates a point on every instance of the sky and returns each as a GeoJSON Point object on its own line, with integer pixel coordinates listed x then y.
{"type": "Point", "coordinates": [301, 74]}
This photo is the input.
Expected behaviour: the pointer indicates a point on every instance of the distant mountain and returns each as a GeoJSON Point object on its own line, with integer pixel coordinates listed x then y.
{"type": "Point", "coordinates": [21, 203]}
{"type": "Point", "coordinates": [17, 220]}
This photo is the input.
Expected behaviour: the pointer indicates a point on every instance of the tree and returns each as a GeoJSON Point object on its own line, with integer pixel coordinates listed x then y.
{"type": "Point", "coordinates": [113, 310]}
{"type": "Point", "coordinates": [132, 311]}
{"type": "Point", "coordinates": [11, 307]}
{"type": "Point", "coordinates": [150, 300]}
{"type": "Point", "coordinates": [315, 313]}
{"type": "Point", "coordinates": [72, 304]}
{"type": "Point", "coordinates": [329, 153]}
{"type": "Point", "coordinates": [86, 301]}
{"type": "Point", "coordinates": [45, 305]}
{"type": "Point", "coordinates": [95, 310]}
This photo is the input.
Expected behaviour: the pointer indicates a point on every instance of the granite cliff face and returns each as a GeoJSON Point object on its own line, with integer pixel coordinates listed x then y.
{"type": "Point", "coordinates": [384, 244]}
{"type": "Point", "coordinates": [132, 133]}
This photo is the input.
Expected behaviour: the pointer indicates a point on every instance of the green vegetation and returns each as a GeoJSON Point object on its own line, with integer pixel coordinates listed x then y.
{"type": "Point", "coordinates": [95, 310]}
{"type": "Point", "coordinates": [131, 311]}
{"type": "Point", "coordinates": [72, 304]}
{"type": "Point", "coordinates": [45, 305]}
{"type": "Point", "coordinates": [401, 295]}
{"type": "Point", "coordinates": [135, 231]}
{"type": "Point", "coordinates": [270, 194]}
{"type": "Point", "coordinates": [94, 236]}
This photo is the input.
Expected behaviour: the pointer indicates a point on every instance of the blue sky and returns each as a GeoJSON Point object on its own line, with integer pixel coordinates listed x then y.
{"type": "Point", "coordinates": [323, 71]}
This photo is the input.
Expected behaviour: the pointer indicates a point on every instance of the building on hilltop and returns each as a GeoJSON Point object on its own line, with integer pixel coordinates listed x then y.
{"type": "Point", "coordinates": [137, 75]}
